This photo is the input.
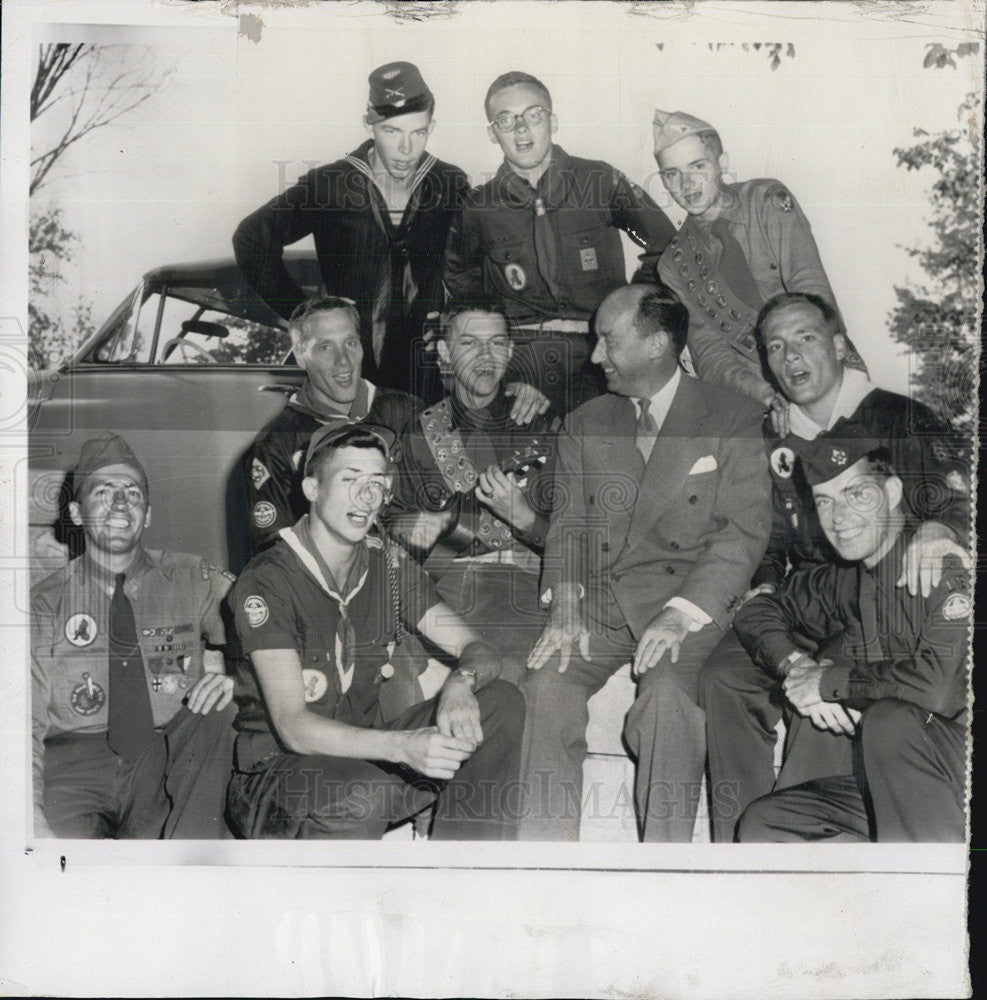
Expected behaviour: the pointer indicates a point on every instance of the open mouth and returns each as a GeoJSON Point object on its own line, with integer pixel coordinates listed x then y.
{"type": "Point", "coordinates": [344, 381]}
{"type": "Point", "coordinates": [798, 377]}
{"type": "Point", "coordinates": [523, 145]}
{"type": "Point", "coordinates": [359, 519]}
{"type": "Point", "coordinates": [694, 198]}
{"type": "Point", "coordinates": [846, 535]}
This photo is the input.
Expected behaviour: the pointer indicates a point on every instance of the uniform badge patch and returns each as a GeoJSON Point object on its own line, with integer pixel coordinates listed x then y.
{"type": "Point", "coordinates": [783, 462]}
{"type": "Point", "coordinates": [296, 459]}
{"type": "Point", "coordinates": [515, 276]}
{"type": "Point", "coordinates": [258, 473]}
{"type": "Point", "coordinates": [88, 697]}
{"type": "Point", "coordinates": [956, 482]}
{"type": "Point", "coordinates": [838, 456]}
{"type": "Point", "coordinates": [264, 514]}
{"type": "Point", "coordinates": [80, 629]}
{"type": "Point", "coordinates": [956, 606]}
{"type": "Point", "coordinates": [316, 683]}
{"type": "Point", "coordinates": [782, 199]}
{"type": "Point", "coordinates": [587, 257]}
{"type": "Point", "coordinates": [256, 610]}
{"type": "Point", "coordinates": [169, 683]}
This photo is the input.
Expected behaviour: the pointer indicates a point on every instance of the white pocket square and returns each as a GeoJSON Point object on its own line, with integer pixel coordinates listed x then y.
{"type": "Point", "coordinates": [705, 464]}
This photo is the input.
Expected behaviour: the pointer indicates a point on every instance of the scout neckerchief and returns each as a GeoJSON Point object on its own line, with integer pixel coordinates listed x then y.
{"type": "Point", "coordinates": [854, 389]}
{"type": "Point", "coordinates": [457, 470]}
{"type": "Point", "coordinates": [544, 199]}
{"type": "Point", "coordinates": [299, 539]}
{"type": "Point", "coordinates": [304, 402]}
{"type": "Point", "coordinates": [396, 288]}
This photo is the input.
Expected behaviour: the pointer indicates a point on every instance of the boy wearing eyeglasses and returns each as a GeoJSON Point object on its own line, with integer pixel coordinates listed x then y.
{"type": "Point", "coordinates": [542, 237]}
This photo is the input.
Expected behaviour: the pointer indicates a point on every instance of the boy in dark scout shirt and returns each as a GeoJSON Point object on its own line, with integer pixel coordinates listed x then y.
{"type": "Point", "coordinates": [126, 702]}
{"type": "Point", "coordinates": [896, 683]}
{"type": "Point", "coordinates": [317, 616]}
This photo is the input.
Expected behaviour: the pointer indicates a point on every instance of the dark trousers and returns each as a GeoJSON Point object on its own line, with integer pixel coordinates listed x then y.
{"type": "Point", "coordinates": [907, 785]}
{"type": "Point", "coordinates": [295, 796]}
{"type": "Point", "coordinates": [501, 602]}
{"type": "Point", "coordinates": [664, 730]}
{"type": "Point", "coordinates": [174, 789]}
{"type": "Point", "coordinates": [743, 705]}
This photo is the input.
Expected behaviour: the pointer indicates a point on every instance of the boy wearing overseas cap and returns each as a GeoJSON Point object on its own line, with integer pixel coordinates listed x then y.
{"type": "Point", "coordinates": [894, 683]}
{"type": "Point", "coordinates": [317, 617]}
{"type": "Point", "coordinates": [739, 245]}
{"type": "Point", "coordinates": [379, 218]}
{"type": "Point", "coordinates": [128, 704]}
{"type": "Point", "coordinates": [806, 351]}
{"type": "Point", "coordinates": [543, 237]}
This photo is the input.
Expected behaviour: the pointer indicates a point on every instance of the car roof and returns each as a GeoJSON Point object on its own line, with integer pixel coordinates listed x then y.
{"type": "Point", "coordinates": [223, 271]}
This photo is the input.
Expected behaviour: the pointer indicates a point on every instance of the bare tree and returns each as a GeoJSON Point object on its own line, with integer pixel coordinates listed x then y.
{"type": "Point", "coordinates": [94, 88]}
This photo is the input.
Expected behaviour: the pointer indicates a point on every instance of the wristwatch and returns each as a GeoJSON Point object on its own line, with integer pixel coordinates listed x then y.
{"type": "Point", "coordinates": [467, 674]}
{"type": "Point", "coordinates": [790, 661]}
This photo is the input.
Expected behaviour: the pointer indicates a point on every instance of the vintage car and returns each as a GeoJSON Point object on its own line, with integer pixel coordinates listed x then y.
{"type": "Point", "coordinates": [188, 368]}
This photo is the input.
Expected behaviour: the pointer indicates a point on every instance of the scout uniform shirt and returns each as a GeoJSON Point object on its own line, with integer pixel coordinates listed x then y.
{"type": "Point", "coordinates": [176, 601]}
{"type": "Point", "coordinates": [895, 645]}
{"type": "Point", "coordinates": [273, 463]}
{"type": "Point", "coordinates": [776, 241]}
{"type": "Point", "coordinates": [935, 479]}
{"type": "Point", "coordinates": [443, 451]}
{"type": "Point", "coordinates": [286, 598]}
{"type": "Point", "coordinates": [552, 251]}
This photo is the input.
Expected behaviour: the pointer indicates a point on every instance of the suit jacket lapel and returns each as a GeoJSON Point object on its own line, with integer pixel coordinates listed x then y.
{"type": "Point", "coordinates": [676, 450]}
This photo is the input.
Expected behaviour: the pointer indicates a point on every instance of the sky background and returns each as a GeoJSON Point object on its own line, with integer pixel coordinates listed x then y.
{"type": "Point", "coordinates": [237, 119]}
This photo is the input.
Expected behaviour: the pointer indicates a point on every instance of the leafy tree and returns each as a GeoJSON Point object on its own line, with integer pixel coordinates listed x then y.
{"type": "Point", "coordinates": [938, 320]}
{"type": "Point", "coordinates": [78, 89]}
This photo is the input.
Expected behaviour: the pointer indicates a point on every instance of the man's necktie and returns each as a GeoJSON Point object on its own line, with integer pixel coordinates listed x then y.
{"type": "Point", "coordinates": [131, 722]}
{"type": "Point", "coordinates": [647, 430]}
{"type": "Point", "coordinates": [734, 267]}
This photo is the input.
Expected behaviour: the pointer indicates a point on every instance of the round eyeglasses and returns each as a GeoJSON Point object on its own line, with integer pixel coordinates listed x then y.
{"type": "Point", "coordinates": [507, 121]}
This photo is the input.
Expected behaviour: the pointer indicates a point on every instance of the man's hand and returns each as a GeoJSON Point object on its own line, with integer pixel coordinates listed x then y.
{"type": "Point", "coordinates": [761, 588]}
{"type": "Point", "coordinates": [565, 629]}
{"type": "Point", "coordinates": [212, 691]}
{"type": "Point", "coordinates": [921, 566]}
{"type": "Point", "coordinates": [430, 333]}
{"type": "Point", "coordinates": [459, 712]}
{"type": "Point", "coordinates": [421, 530]}
{"type": "Point", "coordinates": [801, 683]}
{"type": "Point", "coordinates": [780, 420]}
{"type": "Point", "coordinates": [831, 716]}
{"type": "Point", "coordinates": [500, 492]}
{"type": "Point", "coordinates": [433, 754]}
{"type": "Point", "coordinates": [528, 402]}
{"type": "Point", "coordinates": [665, 633]}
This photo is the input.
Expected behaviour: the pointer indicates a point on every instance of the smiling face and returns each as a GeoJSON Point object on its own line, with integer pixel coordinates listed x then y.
{"type": "Point", "coordinates": [399, 142]}
{"type": "Point", "coordinates": [527, 147]}
{"type": "Point", "coordinates": [856, 511]}
{"type": "Point", "coordinates": [805, 355]}
{"type": "Point", "coordinates": [477, 347]}
{"type": "Point", "coordinates": [628, 359]}
{"type": "Point", "coordinates": [691, 174]}
{"type": "Point", "coordinates": [331, 353]}
{"type": "Point", "coordinates": [112, 508]}
{"type": "Point", "coordinates": [347, 492]}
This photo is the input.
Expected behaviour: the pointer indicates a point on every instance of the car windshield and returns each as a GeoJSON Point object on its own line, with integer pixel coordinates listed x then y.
{"type": "Point", "coordinates": [176, 318]}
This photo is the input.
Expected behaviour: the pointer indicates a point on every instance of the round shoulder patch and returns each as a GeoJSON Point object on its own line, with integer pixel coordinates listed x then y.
{"type": "Point", "coordinates": [264, 514]}
{"type": "Point", "coordinates": [256, 610]}
{"type": "Point", "coordinates": [80, 629]}
{"type": "Point", "coordinates": [782, 200]}
{"type": "Point", "coordinates": [315, 682]}
{"type": "Point", "coordinates": [783, 462]}
{"type": "Point", "coordinates": [515, 276]}
{"type": "Point", "coordinates": [956, 606]}
{"type": "Point", "coordinates": [88, 697]}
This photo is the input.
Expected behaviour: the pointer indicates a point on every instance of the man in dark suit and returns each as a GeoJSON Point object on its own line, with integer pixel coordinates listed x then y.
{"type": "Point", "coordinates": [662, 514]}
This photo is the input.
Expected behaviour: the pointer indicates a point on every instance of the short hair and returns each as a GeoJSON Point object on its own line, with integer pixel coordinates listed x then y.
{"type": "Point", "coordinates": [461, 306]}
{"type": "Point", "coordinates": [319, 304]}
{"type": "Point", "coordinates": [880, 463]}
{"type": "Point", "coordinates": [513, 79]}
{"type": "Point", "coordinates": [352, 437]}
{"type": "Point", "coordinates": [660, 310]}
{"type": "Point", "coordinates": [829, 314]}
